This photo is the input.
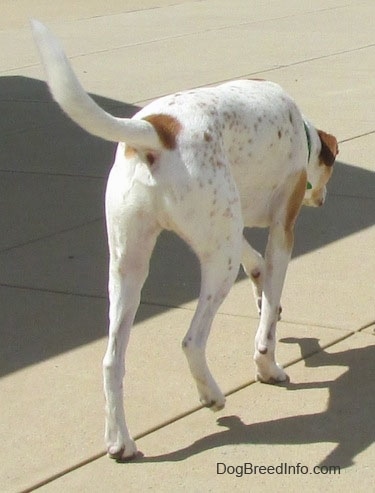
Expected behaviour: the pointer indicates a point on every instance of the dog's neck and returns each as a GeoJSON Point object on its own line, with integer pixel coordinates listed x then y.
{"type": "Point", "coordinates": [314, 146]}
{"type": "Point", "coordinates": [313, 142]}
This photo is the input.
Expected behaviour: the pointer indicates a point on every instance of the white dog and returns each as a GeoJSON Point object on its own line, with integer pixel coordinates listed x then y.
{"type": "Point", "coordinates": [205, 164]}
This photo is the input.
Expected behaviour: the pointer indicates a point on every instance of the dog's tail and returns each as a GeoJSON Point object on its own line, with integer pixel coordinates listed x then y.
{"type": "Point", "coordinates": [73, 99]}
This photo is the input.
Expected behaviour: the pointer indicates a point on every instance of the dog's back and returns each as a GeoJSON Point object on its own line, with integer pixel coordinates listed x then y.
{"type": "Point", "coordinates": [251, 130]}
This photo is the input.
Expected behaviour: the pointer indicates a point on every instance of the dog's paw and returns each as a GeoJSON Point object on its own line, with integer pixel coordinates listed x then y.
{"type": "Point", "coordinates": [215, 406]}
{"type": "Point", "coordinates": [272, 375]}
{"type": "Point", "coordinates": [124, 452]}
{"type": "Point", "coordinates": [213, 399]}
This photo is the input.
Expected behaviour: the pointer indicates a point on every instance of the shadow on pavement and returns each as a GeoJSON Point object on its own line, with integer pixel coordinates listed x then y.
{"type": "Point", "coordinates": [348, 421]}
{"type": "Point", "coordinates": [52, 186]}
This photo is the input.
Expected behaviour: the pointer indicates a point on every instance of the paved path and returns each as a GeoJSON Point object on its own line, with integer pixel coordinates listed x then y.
{"type": "Point", "coordinates": [53, 259]}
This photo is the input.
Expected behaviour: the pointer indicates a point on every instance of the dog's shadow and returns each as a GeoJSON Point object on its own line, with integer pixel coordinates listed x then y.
{"type": "Point", "coordinates": [348, 422]}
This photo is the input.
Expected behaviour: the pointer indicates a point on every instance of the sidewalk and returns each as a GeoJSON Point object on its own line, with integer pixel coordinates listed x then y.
{"type": "Point", "coordinates": [53, 260]}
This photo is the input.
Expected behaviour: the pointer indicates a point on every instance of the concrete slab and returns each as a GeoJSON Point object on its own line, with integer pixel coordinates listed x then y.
{"type": "Point", "coordinates": [96, 59]}
{"type": "Point", "coordinates": [323, 418]}
{"type": "Point", "coordinates": [75, 262]}
{"type": "Point", "coordinates": [39, 138]}
{"type": "Point", "coordinates": [328, 96]}
{"type": "Point", "coordinates": [18, 17]}
{"type": "Point", "coordinates": [359, 152]}
{"type": "Point", "coordinates": [337, 278]}
{"type": "Point", "coordinates": [55, 262]}
{"type": "Point", "coordinates": [370, 329]}
{"type": "Point", "coordinates": [52, 343]}
{"type": "Point", "coordinates": [356, 180]}
{"type": "Point", "coordinates": [65, 375]}
{"type": "Point", "coordinates": [43, 205]}
{"type": "Point", "coordinates": [37, 325]}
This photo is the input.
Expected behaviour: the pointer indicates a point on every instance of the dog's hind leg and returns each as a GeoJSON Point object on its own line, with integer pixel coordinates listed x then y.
{"type": "Point", "coordinates": [132, 236]}
{"type": "Point", "coordinates": [219, 269]}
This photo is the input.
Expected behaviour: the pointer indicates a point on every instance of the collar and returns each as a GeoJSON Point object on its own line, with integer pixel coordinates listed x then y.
{"type": "Point", "coordinates": [308, 137]}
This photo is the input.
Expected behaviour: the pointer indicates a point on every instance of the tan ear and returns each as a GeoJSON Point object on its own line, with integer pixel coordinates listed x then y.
{"type": "Point", "coordinates": [329, 149]}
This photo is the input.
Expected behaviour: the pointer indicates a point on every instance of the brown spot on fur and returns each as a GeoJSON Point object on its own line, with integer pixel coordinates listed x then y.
{"type": "Point", "coordinates": [167, 127]}
{"type": "Point", "coordinates": [279, 134]}
{"type": "Point", "coordinates": [207, 137]}
{"type": "Point", "coordinates": [130, 152]}
{"type": "Point", "coordinates": [150, 158]}
{"type": "Point", "coordinates": [293, 207]}
{"type": "Point", "coordinates": [228, 213]}
{"type": "Point", "coordinates": [329, 148]}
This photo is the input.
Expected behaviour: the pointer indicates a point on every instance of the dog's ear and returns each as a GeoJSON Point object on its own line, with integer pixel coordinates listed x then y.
{"type": "Point", "coordinates": [329, 149]}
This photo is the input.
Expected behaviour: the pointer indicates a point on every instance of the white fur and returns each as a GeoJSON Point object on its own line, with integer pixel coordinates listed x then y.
{"type": "Point", "coordinates": [239, 159]}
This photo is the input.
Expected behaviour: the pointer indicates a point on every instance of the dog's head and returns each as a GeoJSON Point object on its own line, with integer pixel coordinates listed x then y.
{"type": "Point", "coordinates": [320, 168]}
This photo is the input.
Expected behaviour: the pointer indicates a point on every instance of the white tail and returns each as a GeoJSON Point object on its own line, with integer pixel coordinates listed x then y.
{"type": "Point", "coordinates": [73, 99]}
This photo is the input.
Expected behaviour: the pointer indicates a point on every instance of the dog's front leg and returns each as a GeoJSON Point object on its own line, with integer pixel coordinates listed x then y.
{"type": "Point", "coordinates": [278, 253]}
{"type": "Point", "coordinates": [253, 264]}
{"type": "Point", "coordinates": [276, 263]}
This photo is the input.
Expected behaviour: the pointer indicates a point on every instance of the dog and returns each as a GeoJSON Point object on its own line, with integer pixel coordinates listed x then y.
{"type": "Point", "coordinates": [205, 164]}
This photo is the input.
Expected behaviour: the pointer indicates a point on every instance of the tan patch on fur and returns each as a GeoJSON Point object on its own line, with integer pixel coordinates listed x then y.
{"type": "Point", "coordinates": [329, 148]}
{"type": "Point", "coordinates": [294, 206]}
{"type": "Point", "coordinates": [317, 193]}
{"type": "Point", "coordinates": [130, 152]}
{"type": "Point", "coordinates": [167, 127]}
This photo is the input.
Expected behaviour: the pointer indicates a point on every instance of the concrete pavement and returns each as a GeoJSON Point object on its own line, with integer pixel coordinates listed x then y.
{"type": "Point", "coordinates": [53, 259]}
